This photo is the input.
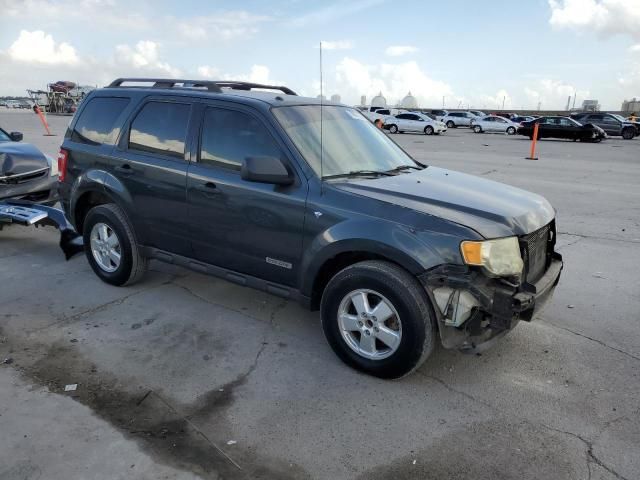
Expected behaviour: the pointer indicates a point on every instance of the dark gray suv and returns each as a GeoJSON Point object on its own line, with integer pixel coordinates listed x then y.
{"type": "Point", "coordinates": [270, 190]}
{"type": "Point", "coordinates": [612, 124]}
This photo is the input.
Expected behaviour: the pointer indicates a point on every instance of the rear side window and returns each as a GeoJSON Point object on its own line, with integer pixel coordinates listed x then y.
{"type": "Point", "coordinates": [160, 128]}
{"type": "Point", "coordinates": [96, 124]}
{"type": "Point", "coordinates": [228, 137]}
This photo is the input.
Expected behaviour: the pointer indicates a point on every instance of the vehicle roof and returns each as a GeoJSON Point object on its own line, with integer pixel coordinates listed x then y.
{"type": "Point", "coordinates": [244, 96]}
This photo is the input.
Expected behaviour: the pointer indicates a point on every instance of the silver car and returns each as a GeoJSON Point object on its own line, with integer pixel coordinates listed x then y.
{"type": "Point", "coordinates": [495, 124]}
{"type": "Point", "coordinates": [414, 122]}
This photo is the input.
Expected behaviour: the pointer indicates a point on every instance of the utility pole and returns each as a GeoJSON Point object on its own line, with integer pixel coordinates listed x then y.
{"type": "Point", "coordinates": [574, 99]}
{"type": "Point", "coordinates": [503, 99]}
{"type": "Point", "coordinates": [443, 101]}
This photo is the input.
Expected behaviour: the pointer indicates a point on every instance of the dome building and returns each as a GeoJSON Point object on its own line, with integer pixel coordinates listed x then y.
{"type": "Point", "coordinates": [379, 101]}
{"type": "Point", "coordinates": [409, 101]}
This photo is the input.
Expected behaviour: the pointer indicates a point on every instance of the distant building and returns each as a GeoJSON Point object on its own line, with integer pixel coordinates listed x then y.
{"type": "Point", "coordinates": [409, 101]}
{"type": "Point", "coordinates": [379, 101]}
{"type": "Point", "coordinates": [363, 100]}
{"type": "Point", "coordinates": [590, 106]}
{"type": "Point", "coordinates": [335, 98]}
{"type": "Point", "coordinates": [322, 97]}
{"type": "Point", "coordinates": [632, 105]}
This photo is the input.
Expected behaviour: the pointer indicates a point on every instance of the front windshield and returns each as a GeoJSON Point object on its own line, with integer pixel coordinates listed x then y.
{"type": "Point", "coordinates": [351, 143]}
{"type": "Point", "coordinates": [4, 137]}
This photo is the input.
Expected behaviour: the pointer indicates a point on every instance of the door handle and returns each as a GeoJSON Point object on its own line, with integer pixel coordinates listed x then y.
{"type": "Point", "coordinates": [208, 189]}
{"type": "Point", "coordinates": [125, 169]}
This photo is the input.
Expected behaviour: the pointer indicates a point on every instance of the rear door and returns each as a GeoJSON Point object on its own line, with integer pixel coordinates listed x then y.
{"type": "Point", "coordinates": [151, 163]}
{"type": "Point", "coordinates": [248, 227]}
{"type": "Point", "coordinates": [401, 121]}
{"type": "Point", "coordinates": [611, 125]}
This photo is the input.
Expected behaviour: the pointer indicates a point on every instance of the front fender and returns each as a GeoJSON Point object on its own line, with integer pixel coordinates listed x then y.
{"type": "Point", "coordinates": [396, 242]}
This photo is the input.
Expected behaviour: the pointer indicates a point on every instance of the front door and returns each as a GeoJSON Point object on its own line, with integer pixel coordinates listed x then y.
{"type": "Point", "coordinates": [248, 227]}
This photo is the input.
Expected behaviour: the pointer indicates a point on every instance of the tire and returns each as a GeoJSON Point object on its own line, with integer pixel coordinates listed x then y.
{"type": "Point", "coordinates": [628, 133]}
{"type": "Point", "coordinates": [450, 124]}
{"type": "Point", "coordinates": [410, 312]}
{"type": "Point", "coordinates": [393, 129]}
{"type": "Point", "coordinates": [477, 129]}
{"type": "Point", "coordinates": [511, 131]}
{"type": "Point", "coordinates": [428, 130]}
{"type": "Point", "coordinates": [131, 265]}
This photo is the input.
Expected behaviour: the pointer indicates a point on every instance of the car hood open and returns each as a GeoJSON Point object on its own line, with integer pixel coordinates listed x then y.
{"type": "Point", "coordinates": [18, 158]}
{"type": "Point", "coordinates": [490, 208]}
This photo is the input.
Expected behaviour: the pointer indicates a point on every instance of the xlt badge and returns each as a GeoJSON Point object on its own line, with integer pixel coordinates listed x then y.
{"type": "Point", "coordinates": [279, 263]}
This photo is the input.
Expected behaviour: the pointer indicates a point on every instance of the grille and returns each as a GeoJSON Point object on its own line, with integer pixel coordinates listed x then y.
{"type": "Point", "coordinates": [535, 248]}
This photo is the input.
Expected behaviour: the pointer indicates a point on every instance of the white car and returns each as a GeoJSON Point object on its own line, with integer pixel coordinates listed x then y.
{"type": "Point", "coordinates": [414, 122]}
{"type": "Point", "coordinates": [459, 119]}
{"type": "Point", "coordinates": [381, 113]}
{"type": "Point", "coordinates": [495, 124]}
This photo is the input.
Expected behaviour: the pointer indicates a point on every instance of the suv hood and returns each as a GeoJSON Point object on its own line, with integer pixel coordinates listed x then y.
{"type": "Point", "coordinates": [17, 158]}
{"type": "Point", "coordinates": [490, 208]}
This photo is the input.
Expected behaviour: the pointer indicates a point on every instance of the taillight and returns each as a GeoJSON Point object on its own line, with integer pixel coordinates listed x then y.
{"type": "Point", "coordinates": [63, 156]}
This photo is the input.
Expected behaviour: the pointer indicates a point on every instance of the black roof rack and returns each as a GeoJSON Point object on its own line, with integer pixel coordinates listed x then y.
{"type": "Point", "coordinates": [211, 85]}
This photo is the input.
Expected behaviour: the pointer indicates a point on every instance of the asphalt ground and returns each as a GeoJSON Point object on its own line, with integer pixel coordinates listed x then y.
{"type": "Point", "coordinates": [184, 376]}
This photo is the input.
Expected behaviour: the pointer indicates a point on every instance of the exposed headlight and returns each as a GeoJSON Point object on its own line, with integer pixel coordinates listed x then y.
{"type": "Point", "coordinates": [53, 166]}
{"type": "Point", "coordinates": [499, 257]}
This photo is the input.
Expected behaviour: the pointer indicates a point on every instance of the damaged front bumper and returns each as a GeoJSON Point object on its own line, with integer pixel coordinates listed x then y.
{"type": "Point", "coordinates": [473, 310]}
{"type": "Point", "coordinates": [25, 213]}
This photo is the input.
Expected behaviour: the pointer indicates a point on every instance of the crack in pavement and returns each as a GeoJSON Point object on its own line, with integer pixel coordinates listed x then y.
{"type": "Point", "coordinates": [591, 457]}
{"type": "Point", "coordinates": [64, 320]}
{"type": "Point", "coordinates": [460, 392]}
{"type": "Point", "coordinates": [636, 241]}
{"type": "Point", "coordinates": [595, 340]}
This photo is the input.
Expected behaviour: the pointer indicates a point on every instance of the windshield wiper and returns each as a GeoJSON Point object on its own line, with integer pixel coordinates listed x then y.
{"type": "Point", "coordinates": [404, 167]}
{"type": "Point", "coordinates": [356, 173]}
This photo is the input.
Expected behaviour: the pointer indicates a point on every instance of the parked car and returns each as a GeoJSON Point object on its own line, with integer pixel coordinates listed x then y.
{"type": "Point", "coordinates": [381, 113]}
{"type": "Point", "coordinates": [414, 122]}
{"type": "Point", "coordinates": [439, 114]}
{"type": "Point", "coordinates": [562, 127]}
{"type": "Point", "coordinates": [495, 124]}
{"type": "Point", "coordinates": [612, 124]}
{"type": "Point", "coordinates": [522, 118]}
{"type": "Point", "coordinates": [25, 172]}
{"type": "Point", "coordinates": [458, 119]}
{"type": "Point", "coordinates": [245, 185]}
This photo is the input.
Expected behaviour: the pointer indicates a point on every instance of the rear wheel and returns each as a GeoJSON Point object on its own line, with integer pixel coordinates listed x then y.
{"type": "Point", "coordinates": [628, 133]}
{"type": "Point", "coordinates": [428, 130]}
{"type": "Point", "coordinates": [111, 247]}
{"type": "Point", "coordinates": [477, 129]}
{"type": "Point", "coordinates": [378, 319]}
{"type": "Point", "coordinates": [393, 129]}
{"type": "Point", "coordinates": [450, 124]}
{"type": "Point", "coordinates": [511, 131]}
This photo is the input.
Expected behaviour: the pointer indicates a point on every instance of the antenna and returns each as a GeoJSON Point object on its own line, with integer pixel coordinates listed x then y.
{"type": "Point", "coordinates": [321, 132]}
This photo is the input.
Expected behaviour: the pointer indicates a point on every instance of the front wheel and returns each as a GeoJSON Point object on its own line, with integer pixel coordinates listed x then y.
{"type": "Point", "coordinates": [378, 319]}
{"type": "Point", "coordinates": [628, 133]}
{"type": "Point", "coordinates": [477, 129]}
{"type": "Point", "coordinates": [428, 130]}
{"type": "Point", "coordinates": [511, 131]}
{"type": "Point", "coordinates": [393, 129]}
{"type": "Point", "coordinates": [111, 247]}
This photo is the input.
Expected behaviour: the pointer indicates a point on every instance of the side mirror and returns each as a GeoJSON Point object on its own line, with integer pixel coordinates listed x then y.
{"type": "Point", "coordinates": [265, 170]}
{"type": "Point", "coordinates": [15, 136]}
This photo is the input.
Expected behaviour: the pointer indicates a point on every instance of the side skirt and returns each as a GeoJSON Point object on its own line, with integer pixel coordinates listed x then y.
{"type": "Point", "coordinates": [242, 279]}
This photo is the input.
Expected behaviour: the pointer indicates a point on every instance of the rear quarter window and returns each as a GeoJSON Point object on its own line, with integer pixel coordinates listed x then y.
{"type": "Point", "coordinates": [97, 122]}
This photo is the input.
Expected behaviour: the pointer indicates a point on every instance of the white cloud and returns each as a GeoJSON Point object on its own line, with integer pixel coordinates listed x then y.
{"type": "Point", "coordinates": [223, 25]}
{"type": "Point", "coordinates": [206, 71]}
{"type": "Point", "coordinates": [553, 94]}
{"type": "Point", "coordinates": [333, 12]}
{"type": "Point", "coordinates": [144, 56]}
{"type": "Point", "coordinates": [38, 47]}
{"type": "Point", "coordinates": [635, 48]}
{"type": "Point", "coordinates": [354, 78]}
{"type": "Point", "coordinates": [257, 74]}
{"type": "Point", "coordinates": [336, 45]}
{"type": "Point", "coordinates": [606, 17]}
{"type": "Point", "coordinates": [501, 97]}
{"type": "Point", "coordinates": [399, 50]}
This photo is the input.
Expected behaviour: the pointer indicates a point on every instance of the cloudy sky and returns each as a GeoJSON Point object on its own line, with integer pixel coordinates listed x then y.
{"type": "Point", "coordinates": [469, 52]}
